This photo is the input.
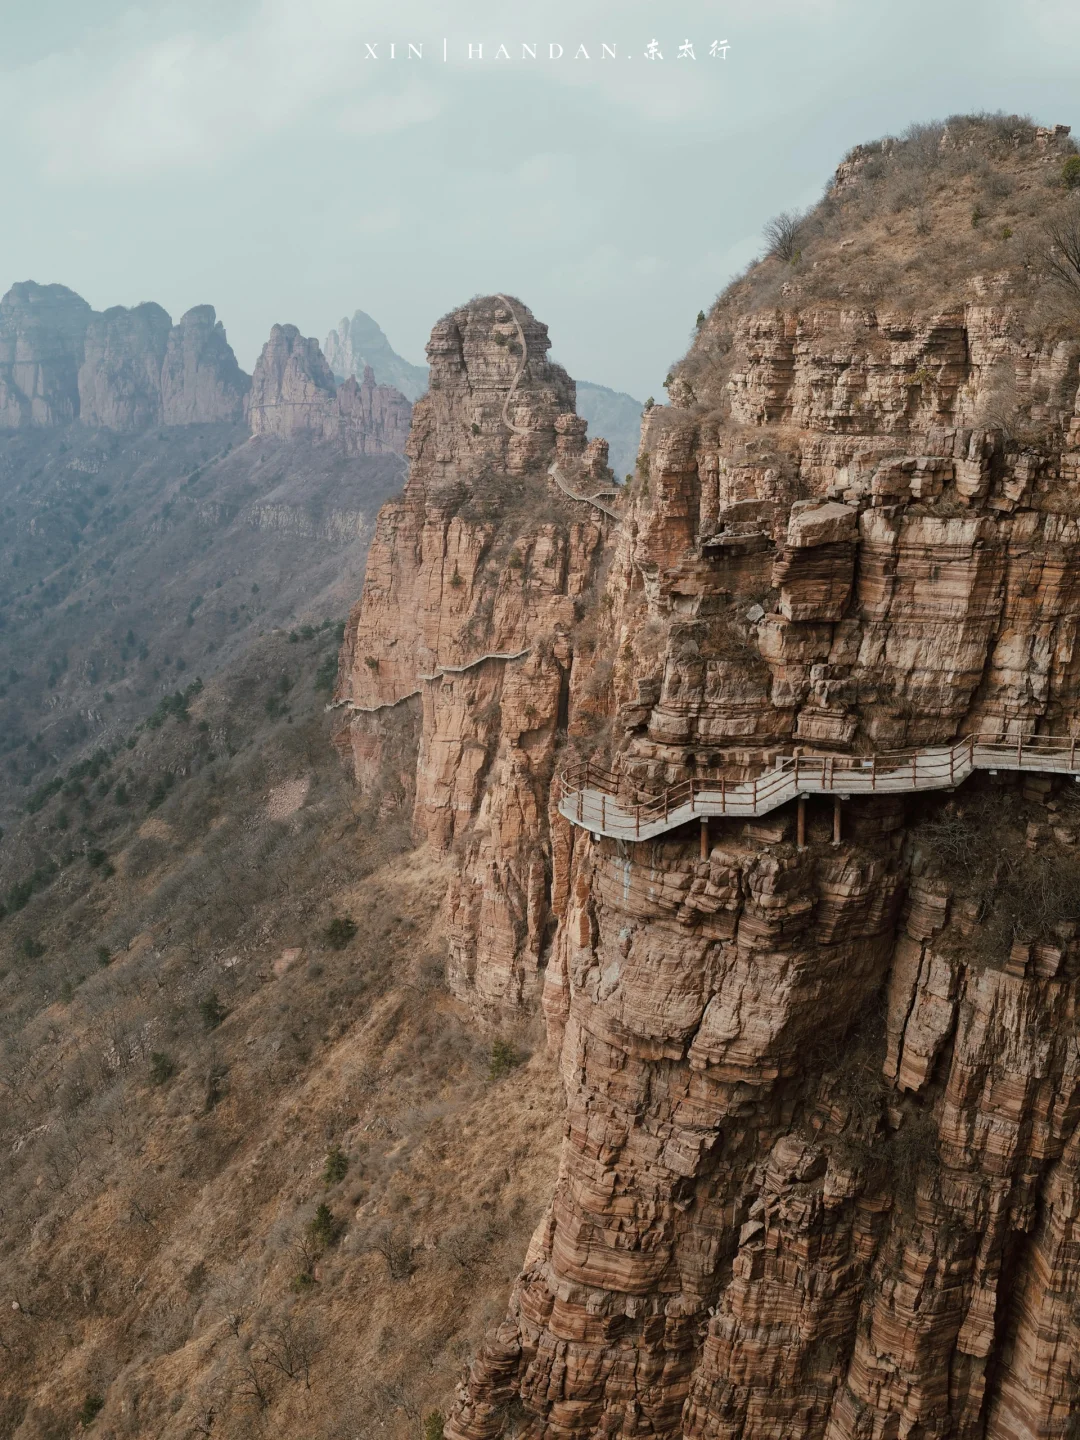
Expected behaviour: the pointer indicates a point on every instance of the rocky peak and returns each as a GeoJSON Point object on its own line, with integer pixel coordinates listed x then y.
{"type": "Point", "coordinates": [494, 398]}
{"type": "Point", "coordinates": [293, 392]}
{"type": "Point", "coordinates": [201, 381]}
{"type": "Point", "coordinates": [123, 369]}
{"type": "Point", "coordinates": [42, 330]}
{"type": "Point", "coordinates": [120, 376]}
{"type": "Point", "coordinates": [464, 636]}
{"type": "Point", "coordinates": [360, 342]}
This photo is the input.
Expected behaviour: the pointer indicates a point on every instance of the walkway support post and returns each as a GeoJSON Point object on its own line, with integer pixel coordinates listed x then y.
{"type": "Point", "coordinates": [836, 820]}
{"type": "Point", "coordinates": [800, 824]}
{"type": "Point", "coordinates": [704, 829]}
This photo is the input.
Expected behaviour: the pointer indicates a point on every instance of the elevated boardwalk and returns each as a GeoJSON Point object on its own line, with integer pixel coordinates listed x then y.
{"type": "Point", "coordinates": [596, 800]}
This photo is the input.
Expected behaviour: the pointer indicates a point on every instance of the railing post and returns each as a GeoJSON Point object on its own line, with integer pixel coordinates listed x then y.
{"type": "Point", "coordinates": [952, 758]}
{"type": "Point", "coordinates": [1072, 754]}
{"type": "Point", "coordinates": [1019, 753]}
{"type": "Point", "coordinates": [580, 805]}
{"type": "Point", "coordinates": [691, 795]}
{"type": "Point", "coordinates": [603, 811]}
{"type": "Point", "coordinates": [723, 796]}
{"type": "Point", "coordinates": [873, 771]}
{"type": "Point", "coordinates": [796, 772]}
{"type": "Point", "coordinates": [665, 805]}
{"type": "Point", "coordinates": [915, 770]}
{"type": "Point", "coordinates": [637, 821]}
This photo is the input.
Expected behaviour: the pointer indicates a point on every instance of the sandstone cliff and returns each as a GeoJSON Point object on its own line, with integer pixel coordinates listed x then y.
{"type": "Point", "coordinates": [475, 581]}
{"type": "Point", "coordinates": [822, 1159]}
{"type": "Point", "coordinates": [126, 370]}
{"type": "Point", "coordinates": [293, 392]}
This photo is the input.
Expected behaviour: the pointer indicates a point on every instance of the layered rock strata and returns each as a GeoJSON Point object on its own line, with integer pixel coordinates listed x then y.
{"type": "Point", "coordinates": [820, 1175]}
{"type": "Point", "coordinates": [293, 392]}
{"type": "Point", "coordinates": [475, 581]}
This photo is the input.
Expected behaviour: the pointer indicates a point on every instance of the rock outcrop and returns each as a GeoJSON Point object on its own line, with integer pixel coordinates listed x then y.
{"type": "Point", "coordinates": [125, 370]}
{"type": "Point", "coordinates": [293, 392]}
{"type": "Point", "coordinates": [120, 376]}
{"type": "Point", "coordinates": [822, 1157]}
{"type": "Point", "coordinates": [42, 331]}
{"type": "Point", "coordinates": [475, 582]}
{"type": "Point", "coordinates": [201, 382]}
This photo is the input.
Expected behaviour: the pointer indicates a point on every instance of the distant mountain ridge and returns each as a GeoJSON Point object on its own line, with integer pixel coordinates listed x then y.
{"type": "Point", "coordinates": [119, 369]}
{"type": "Point", "coordinates": [361, 342]}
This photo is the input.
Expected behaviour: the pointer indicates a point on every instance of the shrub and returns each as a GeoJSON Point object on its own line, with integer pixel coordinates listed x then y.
{"type": "Point", "coordinates": [433, 1426]}
{"type": "Point", "coordinates": [339, 932]}
{"type": "Point", "coordinates": [326, 675]}
{"type": "Point", "coordinates": [161, 1067]}
{"type": "Point", "coordinates": [324, 1228]}
{"type": "Point", "coordinates": [30, 949]}
{"type": "Point", "coordinates": [1070, 172]}
{"type": "Point", "coordinates": [700, 319]}
{"type": "Point", "coordinates": [103, 956]}
{"type": "Point", "coordinates": [96, 858]}
{"type": "Point", "coordinates": [91, 1408]}
{"type": "Point", "coordinates": [211, 1009]}
{"type": "Point", "coordinates": [337, 1165]}
{"type": "Point", "coordinates": [976, 215]}
{"type": "Point", "coordinates": [504, 1058]}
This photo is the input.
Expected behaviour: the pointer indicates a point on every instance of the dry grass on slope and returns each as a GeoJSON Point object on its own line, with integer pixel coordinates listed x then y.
{"type": "Point", "coordinates": [949, 213]}
{"type": "Point", "coordinates": [171, 1121]}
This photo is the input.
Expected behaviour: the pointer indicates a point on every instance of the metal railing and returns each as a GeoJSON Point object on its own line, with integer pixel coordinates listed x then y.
{"type": "Point", "coordinates": [931, 768]}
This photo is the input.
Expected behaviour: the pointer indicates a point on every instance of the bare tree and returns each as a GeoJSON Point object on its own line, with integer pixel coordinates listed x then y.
{"type": "Point", "coordinates": [396, 1249]}
{"type": "Point", "coordinates": [782, 234]}
{"type": "Point", "coordinates": [290, 1349]}
{"type": "Point", "coordinates": [1063, 256]}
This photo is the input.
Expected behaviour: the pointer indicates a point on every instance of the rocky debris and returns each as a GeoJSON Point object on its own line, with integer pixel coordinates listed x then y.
{"type": "Point", "coordinates": [124, 370]}
{"type": "Point", "coordinates": [293, 392]}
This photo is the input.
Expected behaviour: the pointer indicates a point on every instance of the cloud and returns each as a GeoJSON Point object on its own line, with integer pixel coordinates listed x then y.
{"type": "Point", "coordinates": [382, 113]}
{"type": "Point", "coordinates": [606, 267]}
{"type": "Point", "coordinates": [192, 98]}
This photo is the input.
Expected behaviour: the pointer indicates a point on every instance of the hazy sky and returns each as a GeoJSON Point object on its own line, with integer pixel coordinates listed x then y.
{"type": "Point", "coordinates": [245, 153]}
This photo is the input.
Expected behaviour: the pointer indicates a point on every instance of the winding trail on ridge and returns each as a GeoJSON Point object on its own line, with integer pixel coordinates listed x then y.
{"type": "Point", "coordinates": [553, 470]}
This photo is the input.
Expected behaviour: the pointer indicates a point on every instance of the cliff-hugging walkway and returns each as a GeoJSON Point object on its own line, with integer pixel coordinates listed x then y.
{"type": "Point", "coordinates": [589, 796]}
{"type": "Point", "coordinates": [436, 675]}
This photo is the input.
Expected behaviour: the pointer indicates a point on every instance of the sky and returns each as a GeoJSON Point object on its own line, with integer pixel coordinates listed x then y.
{"type": "Point", "coordinates": [251, 154]}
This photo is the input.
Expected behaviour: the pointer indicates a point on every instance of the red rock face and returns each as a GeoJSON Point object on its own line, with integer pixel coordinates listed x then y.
{"type": "Point", "coordinates": [483, 556]}
{"type": "Point", "coordinates": [820, 1174]}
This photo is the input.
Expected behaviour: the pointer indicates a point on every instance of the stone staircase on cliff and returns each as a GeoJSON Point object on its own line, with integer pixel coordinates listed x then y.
{"type": "Point", "coordinates": [596, 799]}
